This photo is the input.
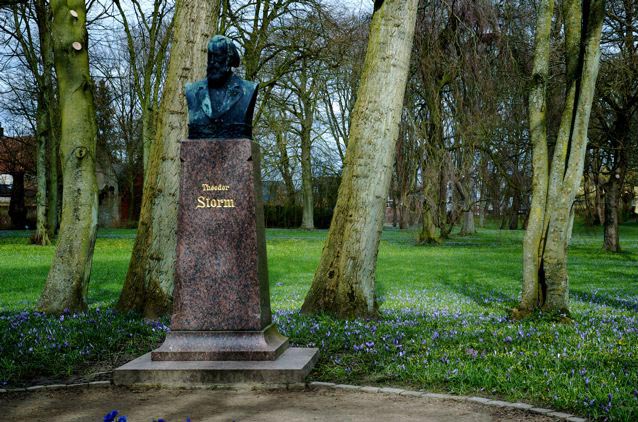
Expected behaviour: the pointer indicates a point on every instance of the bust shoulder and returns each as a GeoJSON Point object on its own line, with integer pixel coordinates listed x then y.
{"type": "Point", "coordinates": [193, 88]}
{"type": "Point", "coordinates": [247, 88]}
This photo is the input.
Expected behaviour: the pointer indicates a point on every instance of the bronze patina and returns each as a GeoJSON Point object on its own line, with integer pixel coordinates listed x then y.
{"type": "Point", "coordinates": [222, 105]}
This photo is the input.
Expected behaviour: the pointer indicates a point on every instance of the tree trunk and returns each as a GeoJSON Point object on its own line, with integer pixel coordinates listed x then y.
{"type": "Point", "coordinates": [52, 175]}
{"type": "Point", "coordinates": [67, 284]}
{"type": "Point", "coordinates": [344, 283]}
{"type": "Point", "coordinates": [284, 167]}
{"type": "Point", "coordinates": [17, 209]}
{"type": "Point", "coordinates": [554, 187]}
{"type": "Point", "coordinates": [395, 212]}
{"type": "Point", "coordinates": [600, 207]}
{"type": "Point", "coordinates": [428, 229]}
{"type": "Point", "coordinates": [148, 126]}
{"type": "Point", "coordinates": [403, 211]}
{"type": "Point", "coordinates": [41, 235]}
{"type": "Point", "coordinates": [516, 208]}
{"type": "Point", "coordinates": [307, 221]}
{"type": "Point", "coordinates": [46, 125]}
{"type": "Point", "coordinates": [148, 286]}
{"type": "Point", "coordinates": [612, 197]}
{"type": "Point", "coordinates": [467, 223]}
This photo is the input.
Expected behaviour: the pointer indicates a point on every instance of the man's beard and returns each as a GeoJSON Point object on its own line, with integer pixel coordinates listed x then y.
{"type": "Point", "coordinates": [217, 76]}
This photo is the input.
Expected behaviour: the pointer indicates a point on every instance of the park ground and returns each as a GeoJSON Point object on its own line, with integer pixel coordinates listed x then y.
{"type": "Point", "coordinates": [445, 322]}
{"type": "Point", "coordinates": [250, 405]}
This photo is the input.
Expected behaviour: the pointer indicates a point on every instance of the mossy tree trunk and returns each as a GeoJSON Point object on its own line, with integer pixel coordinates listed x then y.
{"type": "Point", "coordinates": [556, 182]}
{"type": "Point", "coordinates": [67, 283]}
{"type": "Point", "coordinates": [344, 283]}
{"type": "Point", "coordinates": [148, 287]}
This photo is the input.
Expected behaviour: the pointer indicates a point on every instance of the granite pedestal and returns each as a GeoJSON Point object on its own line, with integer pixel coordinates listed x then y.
{"type": "Point", "coordinates": [221, 327]}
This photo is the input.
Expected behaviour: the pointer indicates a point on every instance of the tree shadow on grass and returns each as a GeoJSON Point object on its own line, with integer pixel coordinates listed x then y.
{"type": "Point", "coordinates": [485, 296]}
{"type": "Point", "coordinates": [627, 303]}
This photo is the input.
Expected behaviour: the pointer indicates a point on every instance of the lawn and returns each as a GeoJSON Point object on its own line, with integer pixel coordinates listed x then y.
{"type": "Point", "coordinates": [445, 324]}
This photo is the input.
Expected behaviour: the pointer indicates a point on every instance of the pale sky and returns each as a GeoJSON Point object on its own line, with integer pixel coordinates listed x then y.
{"type": "Point", "coordinates": [357, 5]}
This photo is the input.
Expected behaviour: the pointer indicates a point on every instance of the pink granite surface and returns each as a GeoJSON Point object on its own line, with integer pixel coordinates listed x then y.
{"type": "Point", "coordinates": [221, 281]}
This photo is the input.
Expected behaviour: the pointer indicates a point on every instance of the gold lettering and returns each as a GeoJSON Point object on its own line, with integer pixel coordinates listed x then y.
{"type": "Point", "coordinates": [200, 202]}
{"type": "Point", "coordinates": [205, 202]}
{"type": "Point", "coordinates": [211, 188]}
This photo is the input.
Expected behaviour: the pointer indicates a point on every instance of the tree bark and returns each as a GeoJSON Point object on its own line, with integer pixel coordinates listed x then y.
{"type": "Point", "coordinates": [284, 166]}
{"type": "Point", "coordinates": [516, 208]}
{"type": "Point", "coordinates": [67, 283]}
{"type": "Point", "coordinates": [611, 238]}
{"type": "Point", "coordinates": [428, 229]}
{"type": "Point", "coordinates": [307, 221]}
{"type": "Point", "coordinates": [41, 235]}
{"type": "Point", "coordinates": [46, 133]}
{"type": "Point", "coordinates": [53, 164]}
{"type": "Point", "coordinates": [148, 286]}
{"type": "Point", "coordinates": [554, 187]}
{"type": "Point", "coordinates": [344, 283]}
{"type": "Point", "coordinates": [467, 222]}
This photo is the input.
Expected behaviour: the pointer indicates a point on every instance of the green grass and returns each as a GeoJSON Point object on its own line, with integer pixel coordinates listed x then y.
{"type": "Point", "coordinates": [445, 323]}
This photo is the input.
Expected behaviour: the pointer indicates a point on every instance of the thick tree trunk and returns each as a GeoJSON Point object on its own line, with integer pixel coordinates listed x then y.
{"type": "Point", "coordinates": [344, 283]}
{"type": "Point", "coordinates": [545, 281]}
{"type": "Point", "coordinates": [427, 235]}
{"type": "Point", "coordinates": [67, 284]}
{"type": "Point", "coordinates": [17, 208]}
{"type": "Point", "coordinates": [467, 224]}
{"type": "Point", "coordinates": [149, 282]}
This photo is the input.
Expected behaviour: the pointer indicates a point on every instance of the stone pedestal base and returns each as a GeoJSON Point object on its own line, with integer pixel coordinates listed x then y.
{"type": "Point", "coordinates": [291, 367]}
{"type": "Point", "coordinates": [266, 344]}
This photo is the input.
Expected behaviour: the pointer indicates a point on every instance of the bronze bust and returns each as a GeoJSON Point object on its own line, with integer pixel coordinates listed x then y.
{"type": "Point", "coordinates": [222, 105]}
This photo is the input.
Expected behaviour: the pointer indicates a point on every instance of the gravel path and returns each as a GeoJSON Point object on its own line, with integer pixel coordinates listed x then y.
{"type": "Point", "coordinates": [91, 404]}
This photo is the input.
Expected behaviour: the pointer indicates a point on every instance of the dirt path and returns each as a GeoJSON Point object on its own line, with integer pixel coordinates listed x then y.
{"type": "Point", "coordinates": [87, 405]}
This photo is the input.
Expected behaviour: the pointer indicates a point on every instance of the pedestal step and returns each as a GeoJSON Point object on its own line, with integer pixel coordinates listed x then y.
{"type": "Point", "coordinates": [291, 367]}
{"type": "Point", "coordinates": [266, 344]}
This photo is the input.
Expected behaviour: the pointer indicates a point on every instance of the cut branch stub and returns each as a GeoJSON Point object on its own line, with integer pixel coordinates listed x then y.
{"type": "Point", "coordinates": [74, 13]}
{"type": "Point", "coordinates": [76, 46]}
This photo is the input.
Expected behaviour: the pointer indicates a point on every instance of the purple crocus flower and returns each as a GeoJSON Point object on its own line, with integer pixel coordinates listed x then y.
{"type": "Point", "coordinates": [110, 417]}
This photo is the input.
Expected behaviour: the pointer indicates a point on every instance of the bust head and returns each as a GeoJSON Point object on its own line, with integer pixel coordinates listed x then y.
{"type": "Point", "coordinates": [222, 56]}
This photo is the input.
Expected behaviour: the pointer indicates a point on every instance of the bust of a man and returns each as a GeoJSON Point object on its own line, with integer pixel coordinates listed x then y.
{"type": "Point", "coordinates": [222, 105]}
